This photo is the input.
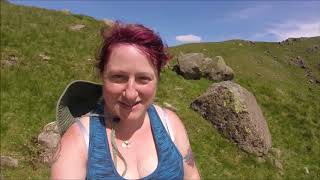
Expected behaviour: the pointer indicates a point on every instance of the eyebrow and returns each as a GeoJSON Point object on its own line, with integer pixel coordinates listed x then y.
{"type": "Point", "coordinates": [124, 72]}
{"type": "Point", "coordinates": [116, 71]}
{"type": "Point", "coordinates": [144, 74]}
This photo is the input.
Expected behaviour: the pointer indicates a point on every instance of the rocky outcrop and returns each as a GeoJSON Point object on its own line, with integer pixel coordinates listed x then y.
{"type": "Point", "coordinates": [235, 113]}
{"type": "Point", "coordinates": [196, 65]}
{"type": "Point", "coordinates": [300, 62]}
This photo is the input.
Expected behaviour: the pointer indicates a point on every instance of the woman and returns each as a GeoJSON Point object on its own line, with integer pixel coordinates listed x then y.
{"type": "Point", "coordinates": [127, 136]}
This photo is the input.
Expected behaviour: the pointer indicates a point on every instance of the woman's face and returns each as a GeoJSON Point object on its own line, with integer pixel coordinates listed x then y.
{"type": "Point", "coordinates": [130, 82]}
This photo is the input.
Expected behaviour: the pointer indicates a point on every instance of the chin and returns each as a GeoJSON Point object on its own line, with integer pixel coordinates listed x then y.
{"type": "Point", "coordinates": [132, 113]}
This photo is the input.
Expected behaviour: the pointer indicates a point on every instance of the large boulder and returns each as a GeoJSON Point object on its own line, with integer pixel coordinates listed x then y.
{"type": "Point", "coordinates": [196, 65]}
{"type": "Point", "coordinates": [189, 65]}
{"type": "Point", "coordinates": [235, 113]}
{"type": "Point", "coordinates": [216, 69]}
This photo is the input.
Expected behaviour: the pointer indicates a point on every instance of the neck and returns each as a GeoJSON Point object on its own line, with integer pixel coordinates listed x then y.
{"type": "Point", "coordinates": [126, 128]}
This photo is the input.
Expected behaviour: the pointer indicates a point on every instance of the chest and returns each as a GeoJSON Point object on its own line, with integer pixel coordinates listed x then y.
{"type": "Point", "coordinates": [140, 155]}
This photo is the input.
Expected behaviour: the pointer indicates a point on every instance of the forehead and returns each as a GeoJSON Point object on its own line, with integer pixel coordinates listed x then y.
{"type": "Point", "coordinates": [126, 57]}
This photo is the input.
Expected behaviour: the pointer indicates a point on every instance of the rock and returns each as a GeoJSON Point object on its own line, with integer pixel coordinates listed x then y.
{"type": "Point", "coordinates": [52, 127]}
{"type": "Point", "coordinates": [196, 65]}
{"type": "Point", "coordinates": [306, 170]}
{"type": "Point", "coordinates": [77, 27]}
{"type": "Point", "coordinates": [11, 61]}
{"type": "Point", "coordinates": [217, 70]}
{"type": "Point", "coordinates": [189, 65]}
{"type": "Point", "coordinates": [235, 113]}
{"type": "Point", "coordinates": [169, 106]}
{"type": "Point", "coordinates": [49, 139]}
{"type": "Point", "coordinates": [44, 57]}
{"type": "Point", "coordinates": [298, 61]}
{"type": "Point", "coordinates": [312, 79]}
{"type": "Point", "coordinates": [7, 161]}
{"type": "Point", "coordinates": [50, 136]}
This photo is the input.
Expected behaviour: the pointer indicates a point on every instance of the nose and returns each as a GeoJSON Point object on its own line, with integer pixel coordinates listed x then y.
{"type": "Point", "coordinates": [131, 93]}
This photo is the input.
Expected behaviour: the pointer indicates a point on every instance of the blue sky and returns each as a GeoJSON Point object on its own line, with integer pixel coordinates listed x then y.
{"type": "Point", "coordinates": [179, 21]}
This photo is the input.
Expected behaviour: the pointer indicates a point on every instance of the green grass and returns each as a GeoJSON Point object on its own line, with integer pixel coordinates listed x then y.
{"type": "Point", "coordinates": [30, 89]}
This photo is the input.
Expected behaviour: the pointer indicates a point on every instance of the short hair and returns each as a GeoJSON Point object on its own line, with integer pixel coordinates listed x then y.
{"type": "Point", "coordinates": [138, 35]}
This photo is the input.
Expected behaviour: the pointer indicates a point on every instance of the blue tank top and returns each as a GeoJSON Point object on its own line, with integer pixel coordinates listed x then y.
{"type": "Point", "coordinates": [100, 164]}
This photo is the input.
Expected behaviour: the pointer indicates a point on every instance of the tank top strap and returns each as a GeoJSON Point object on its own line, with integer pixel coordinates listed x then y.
{"type": "Point", "coordinates": [170, 165]}
{"type": "Point", "coordinates": [99, 158]}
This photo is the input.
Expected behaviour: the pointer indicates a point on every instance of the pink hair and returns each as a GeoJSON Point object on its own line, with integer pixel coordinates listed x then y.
{"type": "Point", "coordinates": [142, 37]}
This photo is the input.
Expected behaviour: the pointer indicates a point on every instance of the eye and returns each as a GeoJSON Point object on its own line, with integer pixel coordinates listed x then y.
{"type": "Point", "coordinates": [118, 78]}
{"type": "Point", "coordinates": [144, 79]}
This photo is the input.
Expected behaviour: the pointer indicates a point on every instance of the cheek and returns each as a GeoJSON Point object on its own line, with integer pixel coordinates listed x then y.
{"type": "Point", "coordinates": [111, 90]}
{"type": "Point", "coordinates": [149, 92]}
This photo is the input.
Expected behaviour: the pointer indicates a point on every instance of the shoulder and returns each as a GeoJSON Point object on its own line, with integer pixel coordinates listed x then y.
{"type": "Point", "coordinates": [173, 121]}
{"type": "Point", "coordinates": [71, 155]}
{"type": "Point", "coordinates": [74, 133]}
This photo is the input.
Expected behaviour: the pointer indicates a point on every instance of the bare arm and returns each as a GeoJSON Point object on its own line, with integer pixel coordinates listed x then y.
{"type": "Point", "coordinates": [71, 157]}
{"type": "Point", "coordinates": [182, 142]}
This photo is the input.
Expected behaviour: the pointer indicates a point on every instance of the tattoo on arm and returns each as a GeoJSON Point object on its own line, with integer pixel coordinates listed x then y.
{"type": "Point", "coordinates": [188, 158]}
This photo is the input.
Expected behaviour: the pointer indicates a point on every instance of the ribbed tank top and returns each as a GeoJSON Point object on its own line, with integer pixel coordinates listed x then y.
{"type": "Point", "coordinates": [100, 164]}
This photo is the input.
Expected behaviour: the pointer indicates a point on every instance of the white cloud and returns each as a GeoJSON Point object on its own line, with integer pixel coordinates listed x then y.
{"type": "Point", "coordinates": [188, 38]}
{"type": "Point", "coordinates": [294, 29]}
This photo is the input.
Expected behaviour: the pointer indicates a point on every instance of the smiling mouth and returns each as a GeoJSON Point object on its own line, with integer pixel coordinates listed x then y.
{"type": "Point", "coordinates": [129, 106]}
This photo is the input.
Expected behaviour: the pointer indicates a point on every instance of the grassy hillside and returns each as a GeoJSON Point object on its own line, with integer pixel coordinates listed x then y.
{"type": "Point", "coordinates": [31, 85]}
